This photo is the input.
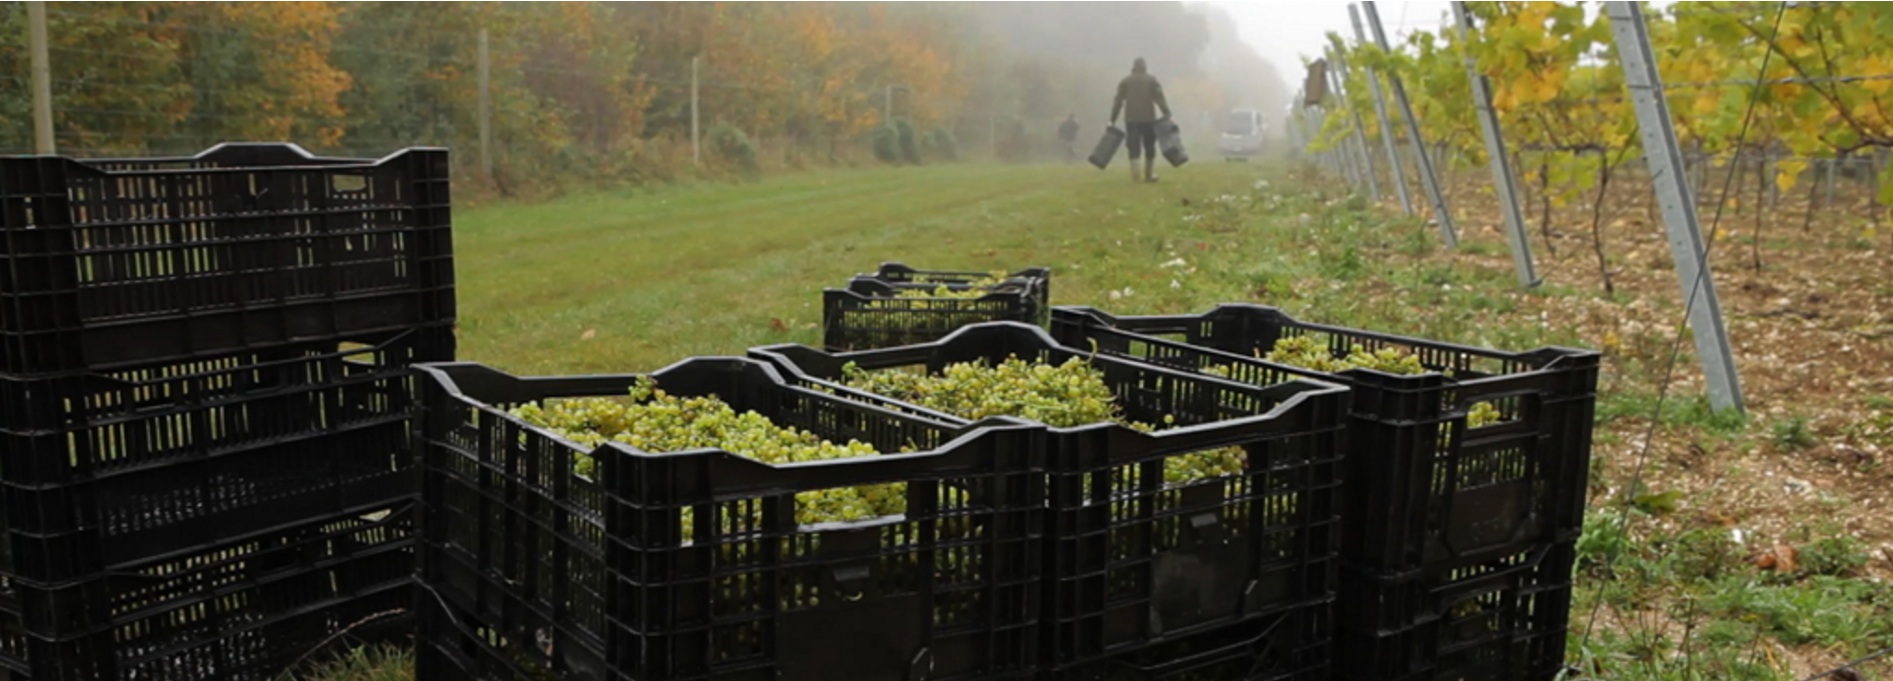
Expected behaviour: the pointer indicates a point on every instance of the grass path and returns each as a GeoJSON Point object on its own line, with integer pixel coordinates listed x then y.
{"type": "Point", "coordinates": [659, 276]}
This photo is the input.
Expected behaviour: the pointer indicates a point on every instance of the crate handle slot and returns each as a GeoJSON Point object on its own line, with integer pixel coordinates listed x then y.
{"type": "Point", "coordinates": [1208, 528]}
{"type": "Point", "coordinates": [851, 582]}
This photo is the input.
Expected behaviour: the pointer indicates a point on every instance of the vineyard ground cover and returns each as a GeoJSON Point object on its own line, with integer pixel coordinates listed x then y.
{"type": "Point", "coordinates": [633, 281]}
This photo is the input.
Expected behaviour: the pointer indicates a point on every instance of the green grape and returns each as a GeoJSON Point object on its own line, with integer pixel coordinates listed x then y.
{"type": "Point", "coordinates": [1483, 414]}
{"type": "Point", "coordinates": [1305, 352]}
{"type": "Point", "coordinates": [652, 420]}
{"type": "Point", "coordinates": [978, 289]}
{"type": "Point", "coordinates": [1065, 395]}
{"type": "Point", "coordinates": [1390, 360]}
{"type": "Point", "coordinates": [1308, 353]}
{"type": "Point", "coordinates": [946, 295]}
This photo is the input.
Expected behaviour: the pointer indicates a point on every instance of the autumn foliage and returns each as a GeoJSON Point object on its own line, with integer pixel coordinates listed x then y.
{"type": "Point", "coordinates": [579, 92]}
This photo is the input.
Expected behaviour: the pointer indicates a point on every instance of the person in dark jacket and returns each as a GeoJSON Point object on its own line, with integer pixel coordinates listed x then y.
{"type": "Point", "coordinates": [1068, 135]}
{"type": "Point", "coordinates": [1139, 96]}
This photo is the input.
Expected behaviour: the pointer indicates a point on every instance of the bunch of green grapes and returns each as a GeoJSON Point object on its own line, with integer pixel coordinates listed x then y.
{"type": "Point", "coordinates": [977, 289]}
{"type": "Point", "coordinates": [1306, 352]}
{"type": "Point", "coordinates": [1483, 414]}
{"type": "Point", "coordinates": [1390, 360]}
{"type": "Point", "coordinates": [655, 421]}
{"type": "Point", "coordinates": [1065, 395]}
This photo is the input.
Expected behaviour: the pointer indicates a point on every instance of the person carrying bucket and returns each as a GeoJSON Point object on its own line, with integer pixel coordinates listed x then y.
{"type": "Point", "coordinates": [1139, 97]}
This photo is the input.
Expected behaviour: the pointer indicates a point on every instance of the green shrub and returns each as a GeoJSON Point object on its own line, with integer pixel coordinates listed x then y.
{"type": "Point", "coordinates": [942, 145]}
{"type": "Point", "coordinates": [887, 144]}
{"type": "Point", "coordinates": [730, 146]}
{"type": "Point", "coordinates": [1835, 556]}
{"type": "Point", "coordinates": [909, 141]}
{"type": "Point", "coordinates": [1793, 434]}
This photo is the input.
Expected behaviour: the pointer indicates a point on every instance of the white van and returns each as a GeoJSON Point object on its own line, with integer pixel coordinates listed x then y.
{"type": "Point", "coordinates": [1242, 135]}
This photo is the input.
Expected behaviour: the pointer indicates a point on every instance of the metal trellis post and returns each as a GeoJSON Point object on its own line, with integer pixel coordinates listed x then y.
{"type": "Point", "coordinates": [1427, 176]}
{"type": "Point", "coordinates": [1677, 204]}
{"type": "Point", "coordinates": [1359, 147]}
{"type": "Point", "coordinates": [1501, 162]}
{"type": "Point", "coordinates": [1380, 112]}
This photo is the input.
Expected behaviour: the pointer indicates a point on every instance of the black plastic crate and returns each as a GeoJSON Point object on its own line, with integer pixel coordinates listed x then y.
{"type": "Point", "coordinates": [455, 644]}
{"type": "Point", "coordinates": [597, 578]}
{"type": "Point", "coordinates": [870, 313]}
{"type": "Point", "coordinates": [98, 470]}
{"type": "Point", "coordinates": [900, 273]}
{"type": "Point", "coordinates": [242, 610]}
{"type": "Point", "coordinates": [111, 263]}
{"type": "Point", "coordinates": [1134, 561]}
{"type": "Point", "coordinates": [1425, 490]}
{"type": "Point", "coordinates": [1501, 620]}
{"type": "Point", "coordinates": [1292, 645]}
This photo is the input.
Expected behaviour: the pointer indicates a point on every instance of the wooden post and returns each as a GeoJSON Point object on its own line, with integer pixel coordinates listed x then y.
{"type": "Point", "coordinates": [42, 79]}
{"type": "Point", "coordinates": [696, 141]}
{"type": "Point", "coordinates": [486, 110]}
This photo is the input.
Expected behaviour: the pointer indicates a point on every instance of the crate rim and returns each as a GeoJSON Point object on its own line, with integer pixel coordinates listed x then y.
{"type": "Point", "coordinates": [1010, 289]}
{"type": "Point", "coordinates": [1548, 357]}
{"type": "Point", "coordinates": [1315, 387]}
{"type": "Point", "coordinates": [441, 374]}
{"type": "Point", "coordinates": [888, 266]}
{"type": "Point", "coordinates": [343, 162]}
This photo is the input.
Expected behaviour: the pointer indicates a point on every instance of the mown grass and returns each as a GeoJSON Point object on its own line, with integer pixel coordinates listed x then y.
{"type": "Point", "coordinates": [633, 281]}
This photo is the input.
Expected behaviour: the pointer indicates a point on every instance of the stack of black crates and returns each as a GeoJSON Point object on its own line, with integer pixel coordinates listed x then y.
{"type": "Point", "coordinates": [691, 566]}
{"type": "Point", "coordinates": [1025, 553]}
{"type": "Point", "coordinates": [206, 404]}
{"type": "Point", "coordinates": [1458, 539]}
{"type": "Point", "coordinates": [1148, 578]}
{"type": "Point", "coordinates": [1382, 527]}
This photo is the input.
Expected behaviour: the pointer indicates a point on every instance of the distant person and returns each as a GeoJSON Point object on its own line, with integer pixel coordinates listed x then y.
{"type": "Point", "coordinates": [1139, 96]}
{"type": "Point", "coordinates": [1068, 135]}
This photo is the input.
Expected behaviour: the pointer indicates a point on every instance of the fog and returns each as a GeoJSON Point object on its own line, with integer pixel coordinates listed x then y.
{"type": "Point", "coordinates": [1066, 58]}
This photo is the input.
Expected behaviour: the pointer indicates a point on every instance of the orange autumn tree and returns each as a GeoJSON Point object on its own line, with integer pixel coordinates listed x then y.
{"type": "Point", "coordinates": [580, 92]}
{"type": "Point", "coordinates": [265, 68]}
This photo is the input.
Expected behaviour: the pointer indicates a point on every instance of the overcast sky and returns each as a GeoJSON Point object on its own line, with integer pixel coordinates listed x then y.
{"type": "Point", "coordinates": [1285, 32]}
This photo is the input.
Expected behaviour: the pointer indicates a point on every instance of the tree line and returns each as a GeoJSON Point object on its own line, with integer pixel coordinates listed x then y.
{"type": "Point", "coordinates": [594, 91]}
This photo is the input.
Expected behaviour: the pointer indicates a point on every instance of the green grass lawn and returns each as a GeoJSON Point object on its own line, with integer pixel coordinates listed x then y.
{"type": "Point", "coordinates": [637, 280]}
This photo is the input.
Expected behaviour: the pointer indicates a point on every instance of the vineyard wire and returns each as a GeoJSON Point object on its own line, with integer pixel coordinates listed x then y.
{"type": "Point", "coordinates": [1676, 349]}
{"type": "Point", "coordinates": [1850, 665]}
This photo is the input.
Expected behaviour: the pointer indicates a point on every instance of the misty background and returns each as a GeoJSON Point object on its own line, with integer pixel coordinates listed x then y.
{"type": "Point", "coordinates": [535, 97]}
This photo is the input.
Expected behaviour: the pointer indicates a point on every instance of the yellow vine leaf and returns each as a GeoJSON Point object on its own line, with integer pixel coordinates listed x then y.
{"type": "Point", "coordinates": [1877, 65]}
{"type": "Point", "coordinates": [1788, 171]}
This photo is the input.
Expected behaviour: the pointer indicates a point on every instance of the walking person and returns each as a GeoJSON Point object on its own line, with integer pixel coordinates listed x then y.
{"type": "Point", "coordinates": [1139, 97]}
{"type": "Point", "coordinates": [1068, 135]}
